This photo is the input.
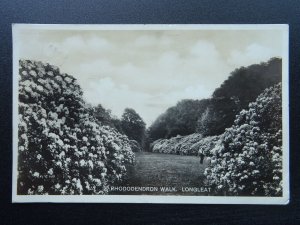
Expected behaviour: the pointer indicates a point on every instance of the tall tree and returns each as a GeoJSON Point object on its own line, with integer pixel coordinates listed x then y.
{"type": "Point", "coordinates": [133, 125]}
{"type": "Point", "coordinates": [105, 117]}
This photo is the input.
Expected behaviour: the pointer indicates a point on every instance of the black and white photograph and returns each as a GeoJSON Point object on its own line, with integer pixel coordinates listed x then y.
{"type": "Point", "coordinates": [187, 114]}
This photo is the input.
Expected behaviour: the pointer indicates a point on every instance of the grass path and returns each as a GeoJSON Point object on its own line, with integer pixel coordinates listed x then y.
{"type": "Point", "coordinates": [164, 170]}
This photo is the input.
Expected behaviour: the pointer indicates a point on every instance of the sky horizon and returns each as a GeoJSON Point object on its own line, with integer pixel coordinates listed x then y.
{"type": "Point", "coordinates": [148, 70]}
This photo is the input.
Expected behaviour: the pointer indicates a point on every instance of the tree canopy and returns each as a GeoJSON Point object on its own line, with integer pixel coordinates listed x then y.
{"type": "Point", "coordinates": [105, 117]}
{"type": "Point", "coordinates": [133, 125]}
{"type": "Point", "coordinates": [242, 87]}
{"type": "Point", "coordinates": [246, 83]}
{"type": "Point", "coordinates": [178, 120]}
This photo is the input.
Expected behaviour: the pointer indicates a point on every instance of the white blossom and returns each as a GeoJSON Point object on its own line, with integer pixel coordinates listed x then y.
{"type": "Point", "coordinates": [36, 174]}
{"type": "Point", "coordinates": [40, 188]}
{"type": "Point", "coordinates": [50, 171]}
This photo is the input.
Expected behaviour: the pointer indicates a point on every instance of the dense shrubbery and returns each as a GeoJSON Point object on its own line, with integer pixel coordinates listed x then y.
{"type": "Point", "coordinates": [62, 148]}
{"type": "Point", "coordinates": [249, 160]}
{"type": "Point", "coordinates": [185, 145]}
{"type": "Point", "coordinates": [135, 146]}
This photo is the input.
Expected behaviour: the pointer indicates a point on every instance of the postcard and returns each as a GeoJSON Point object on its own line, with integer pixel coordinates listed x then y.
{"type": "Point", "coordinates": [177, 114]}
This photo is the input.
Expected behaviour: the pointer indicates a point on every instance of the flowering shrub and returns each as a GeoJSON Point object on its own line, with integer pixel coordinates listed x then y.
{"type": "Point", "coordinates": [185, 145]}
{"type": "Point", "coordinates": [176, 145]}
{"type": "Point", "coordinates": [135, 146]}
{"type": "Point", "coordinates": [249, 159]}
{"type": "Point", "coordinates": [62, 149]}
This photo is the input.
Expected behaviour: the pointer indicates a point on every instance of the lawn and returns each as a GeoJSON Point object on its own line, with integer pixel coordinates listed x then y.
{"type": "Point", "coordinates": [164, 170]}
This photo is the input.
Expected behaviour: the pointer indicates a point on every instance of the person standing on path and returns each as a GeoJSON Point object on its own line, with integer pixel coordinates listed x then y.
{"type": "Point", "coordinates": [201, 155]}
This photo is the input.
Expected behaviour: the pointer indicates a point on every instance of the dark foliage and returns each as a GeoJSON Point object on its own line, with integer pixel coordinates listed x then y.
{"type": "Point", "coordinates": [105, 117]}
{"type": "Point", "coordinates": [178, 120]}
{"type": "Point", "coordinates": [133, 125]}
{"type": "Point", "coordinates": [219, 114]}
{"type": "Point", "coordinates": [246, 83]}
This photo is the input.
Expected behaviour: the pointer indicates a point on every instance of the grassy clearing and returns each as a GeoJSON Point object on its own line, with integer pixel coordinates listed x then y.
{"type": "Point", "coordinates": [164, 170]}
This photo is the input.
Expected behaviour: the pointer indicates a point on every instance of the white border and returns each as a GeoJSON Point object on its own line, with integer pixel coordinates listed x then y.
{"type": "Point", "coordinates": [16, 28]}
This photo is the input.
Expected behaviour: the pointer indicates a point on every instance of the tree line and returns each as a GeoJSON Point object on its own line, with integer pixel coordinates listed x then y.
{"type": "Point", "coordinates": [130, 124]}
{"type": "Point", "coordinates": [208, 117]}
{"type": "Point", "coordinates": [211, 116]}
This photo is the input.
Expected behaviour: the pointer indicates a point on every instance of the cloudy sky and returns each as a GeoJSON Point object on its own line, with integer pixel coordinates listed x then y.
{"type": "Point", "coordinates": [148, 70]}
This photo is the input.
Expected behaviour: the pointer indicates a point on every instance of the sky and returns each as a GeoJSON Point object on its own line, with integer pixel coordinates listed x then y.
{"type": "Point", "coordinates": [148, 70]}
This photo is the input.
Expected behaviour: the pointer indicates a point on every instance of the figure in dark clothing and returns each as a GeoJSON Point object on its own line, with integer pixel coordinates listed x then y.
{"type": "Point", "coordinates": [201, 155]}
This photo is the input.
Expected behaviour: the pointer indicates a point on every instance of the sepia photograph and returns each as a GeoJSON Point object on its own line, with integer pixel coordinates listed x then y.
{"type": "Point", "coordinates": [189, 114]}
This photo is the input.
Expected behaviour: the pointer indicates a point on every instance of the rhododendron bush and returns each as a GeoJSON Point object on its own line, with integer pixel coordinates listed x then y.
{"type": "Point", "coordinates": [62, 149]}
{"type": "Point", "coordinates": [249, 159]}
{"type": "Point", "coordinates": [185, 145]}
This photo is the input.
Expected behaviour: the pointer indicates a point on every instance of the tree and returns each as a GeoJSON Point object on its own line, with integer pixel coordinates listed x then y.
{"type": "Point", "coordinates": [102, 115]}
{"type": "Point", "coordinates": [133, 125]}
{"type": "Point", "coordinates": [105, 117]}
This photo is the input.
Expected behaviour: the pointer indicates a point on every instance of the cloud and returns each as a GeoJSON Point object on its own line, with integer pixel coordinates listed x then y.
{"type": "Point", "coordinates": [204, 49]}
{"type": "Point", "coordinates": [91, 45]}
{"type": "Point", "coordinates": [117, 97]}
{"type": "Point", "coordinates": [148, 70]}
{"type": "Point", "coordinates": [253, 53]}
{"type": "Point", "coordinates": [148, 41]}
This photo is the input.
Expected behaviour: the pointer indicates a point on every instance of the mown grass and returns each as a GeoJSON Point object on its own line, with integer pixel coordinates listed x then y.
{"type": "Point", "coordinates": [164, 170]}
